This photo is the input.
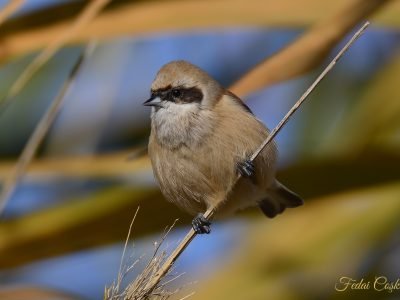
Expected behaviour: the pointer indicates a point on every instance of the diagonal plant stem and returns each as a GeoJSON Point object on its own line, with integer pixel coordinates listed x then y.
{"type": "Point", "coordinates": [275, 131]}
{"type": "Point", "coordinates": [10, 8]}
{"type": "Point", "coordinates": [211, 211]}
{"type": "Point", "coordinates": [309, 50]}
{"type": "Point", "coordinates": [120, 272]}
{"type": "Point", "coordinates": [90, 12]}
{"type": "Point", "coordinates": [40, 132]}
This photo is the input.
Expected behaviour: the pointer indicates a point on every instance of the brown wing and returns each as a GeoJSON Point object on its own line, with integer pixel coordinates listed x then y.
{"type": "Point", "coordinates": [239, 101]}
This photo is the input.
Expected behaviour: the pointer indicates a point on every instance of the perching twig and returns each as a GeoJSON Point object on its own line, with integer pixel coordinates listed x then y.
{"type": "Point", "coordinates": [275, 131]}
{"type": "Point", "coordinates": [40, 132]}
{"type": "Point", "coordinates": [151, 285]}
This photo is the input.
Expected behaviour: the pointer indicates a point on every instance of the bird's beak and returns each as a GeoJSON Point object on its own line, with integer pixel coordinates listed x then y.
{"type": "Point", "coordinates": [153, 101]}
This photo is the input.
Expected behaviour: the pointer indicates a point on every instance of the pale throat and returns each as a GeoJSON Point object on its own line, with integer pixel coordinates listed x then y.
{"type": "Point", "coordinates": [178, 125]}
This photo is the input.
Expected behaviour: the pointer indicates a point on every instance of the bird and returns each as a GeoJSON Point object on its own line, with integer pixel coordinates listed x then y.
{"type": "Point", "coordinates": [202, 136]}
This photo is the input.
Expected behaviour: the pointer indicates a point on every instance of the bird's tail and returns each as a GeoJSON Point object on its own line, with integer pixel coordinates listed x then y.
{"type": "Point", "coordinates": [278, 199]}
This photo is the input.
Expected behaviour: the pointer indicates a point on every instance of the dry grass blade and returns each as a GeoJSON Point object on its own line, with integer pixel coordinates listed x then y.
{"type": "Point", "coordinates": [120, 273]}
{"type": "Point", "coordinates": [138, 18]}
{"type": "Point", "coordinates": [39, 133]}
{"type": "Point", "coordinates": [113, 292]}
{"type": "Point", "coordinates": [308, 51]}
{"type": "Point", "coordinates": [93, 166]}
{"type": "Point", "coordinates": [91, 10]}
{"type": "Point", "coordinates": [163, 270]}
{"type": "Point", "coordinates": [137, 289]}
{"type": "Point", "coordinates": [10, 8]}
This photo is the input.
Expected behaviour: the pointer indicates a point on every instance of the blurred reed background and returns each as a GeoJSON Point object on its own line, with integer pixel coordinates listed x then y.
{"type": "Point", "coordinates": [63, 228]}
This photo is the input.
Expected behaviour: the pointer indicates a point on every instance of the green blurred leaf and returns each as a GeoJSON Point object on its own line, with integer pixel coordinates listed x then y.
{"type": "Point", "coordinates": [374, 116]}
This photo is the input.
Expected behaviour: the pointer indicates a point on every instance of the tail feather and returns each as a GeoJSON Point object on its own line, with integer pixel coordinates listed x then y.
{"type": "Point", "coordinates": [270, 208]}
{"type": "Point", "coordinates": [279, 198]}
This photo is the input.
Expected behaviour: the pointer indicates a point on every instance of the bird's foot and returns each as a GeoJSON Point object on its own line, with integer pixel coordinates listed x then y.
{"type": "Point", "coordinates": [246, 168]}
{"type": "Point", "coordinates": [201, 225]}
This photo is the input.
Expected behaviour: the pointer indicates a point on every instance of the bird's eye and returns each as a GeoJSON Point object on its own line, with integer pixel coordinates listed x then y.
{"type": "Point", "coordinates": [176, 93]}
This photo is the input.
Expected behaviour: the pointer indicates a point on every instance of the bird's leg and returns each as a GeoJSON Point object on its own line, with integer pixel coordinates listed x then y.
{"type": "Point", "coordinates": [201, 225]}
{"type": "Point", "coordinates": [246, 168]}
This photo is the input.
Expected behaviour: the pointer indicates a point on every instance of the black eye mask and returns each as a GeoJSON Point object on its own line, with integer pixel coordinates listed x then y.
{"type": "Point", "coordinates": [179, 94]}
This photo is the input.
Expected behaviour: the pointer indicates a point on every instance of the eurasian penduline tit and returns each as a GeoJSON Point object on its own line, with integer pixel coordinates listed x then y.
{"type": "Point", "coordinates": [202, 135]}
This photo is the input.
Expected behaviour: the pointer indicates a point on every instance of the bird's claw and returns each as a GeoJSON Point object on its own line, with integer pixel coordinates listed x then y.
{"type": "Point", "coordinates": [201, 225]}
{"type": "Point", "coordinates": [246, 168]}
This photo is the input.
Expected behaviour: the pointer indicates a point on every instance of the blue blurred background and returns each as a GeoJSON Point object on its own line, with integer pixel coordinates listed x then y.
{"type": "Point", "coordinates": [103, 114]}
